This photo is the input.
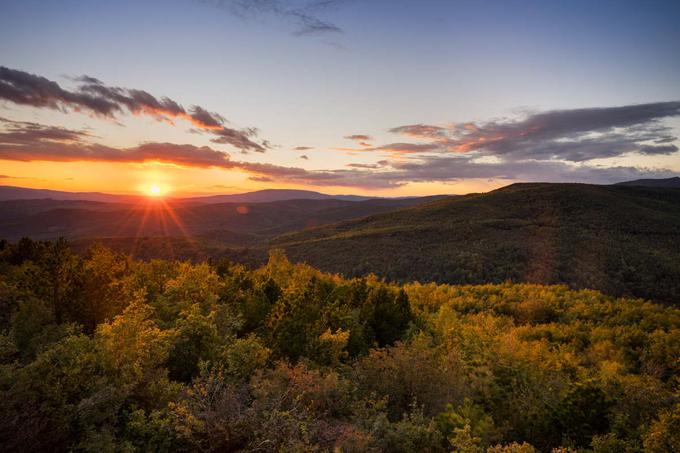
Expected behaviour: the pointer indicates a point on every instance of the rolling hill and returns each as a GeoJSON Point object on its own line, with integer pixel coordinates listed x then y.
{"type": "Point", "coordinates": [258, 196]}
{"type": "Point", "coordinates": [269, 195]}
{"type": "Point", "coordinates": [228, 223]}
{"type": "Point", "coordinates": [618, 239]}
{"type": "Point", "coordinates": [24, 193]}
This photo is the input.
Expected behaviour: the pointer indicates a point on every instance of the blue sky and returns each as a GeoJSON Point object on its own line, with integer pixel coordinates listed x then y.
{"type": "Point", "coordinates": [392, 63]}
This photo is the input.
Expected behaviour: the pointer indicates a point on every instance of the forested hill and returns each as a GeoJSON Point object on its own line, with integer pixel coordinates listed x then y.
{"type": "Point", "coordinates": [620, 240]}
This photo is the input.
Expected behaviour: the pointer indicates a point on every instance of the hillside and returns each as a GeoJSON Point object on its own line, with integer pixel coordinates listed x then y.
{"type": "Point", "coordinates": [620, 240]}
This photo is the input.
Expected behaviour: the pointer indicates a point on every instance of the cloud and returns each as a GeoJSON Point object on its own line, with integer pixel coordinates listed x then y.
{"type": "Point", "coordinates": [359, 137]}
{"type": "Point", "coordinates": [562, 158]}
{"type": "Point", "coordinates": [20, 141]}
{"type": "Point", "coordinates": [302, 148]}
{"type": "Point", "coordinates": [95, 97]}
{"type": "Point", "coordinates": [420, 131]}
{"type": "Point", "coordinates": [260, 178]}
{"type": "Point", "coordinates": [28, 133]}
{"type": "Point", "coordinates": [304, 157]}
{"type": "Point", "coordinates": [406, 148]}
{"type": "Point", "coordinates": [654, 150]}
{"type": "Point", "coordinates": [25, 141]}
{"type": "Point", "coordinates": [304, 17]}
{"type": "Point", "coordinates": [575, 135]}
{"type": "Point", "coordinates": [445, 168]}
{"type": "Point", "coordinates": [367, 166]}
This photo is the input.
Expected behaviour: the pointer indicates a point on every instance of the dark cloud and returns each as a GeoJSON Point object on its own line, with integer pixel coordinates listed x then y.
{"type": "Point", "coordinates": [420, 131]}
{"type": "Point", "coordinates": [304, 17]}
{"type": "Point", "coordinates": [93, 96]}
{"type": "Point", "coordinates": [379, 164]}
{"type": "Point", "coordinates": [239, 138]}
{"type": "Point", "coordinates": [23, 88]}
{"type": "Point", "coordinates": [25, 141]}
{"type": "Point", "coordinates": [208, 120]}
{"type": "Point", "coordinates": [652, 149]}
{"type": "Point", "coordinates": [27, 133]}
{"type": "Point", "coordinates": [366, 166]}
{"type": "Point", "coordinates": [405, 148]}
{"type": "Point", "coordinates": [444, 168]}
{"type": "Point", "coordinates": [359, 137]}
{"type": "Point", "coordinates": [575, 135]}
{"type": "Point", "coordinates": [304, 157]}
{"type": "Point", "coordinates": [260, 178]}
{"type": "Point", "coordinates": [302, 148]}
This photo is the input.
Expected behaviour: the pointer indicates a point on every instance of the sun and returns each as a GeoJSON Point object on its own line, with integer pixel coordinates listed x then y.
{"type": "Point", "coordinates": [154, 190]}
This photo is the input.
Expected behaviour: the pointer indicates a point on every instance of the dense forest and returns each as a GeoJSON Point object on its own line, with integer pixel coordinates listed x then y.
{"type": "Point", "coordinates": [102, 352]}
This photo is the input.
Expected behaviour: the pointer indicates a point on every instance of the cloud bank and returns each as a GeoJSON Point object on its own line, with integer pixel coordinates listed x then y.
{"type": "Point", "coordinates": [556, 145]}
{"type": "Point", "coordinates": [27, 141]}
{"type": "Point", "coordinates": [576, 135]}
{"type": "Point", "coordinates": [93, 96]}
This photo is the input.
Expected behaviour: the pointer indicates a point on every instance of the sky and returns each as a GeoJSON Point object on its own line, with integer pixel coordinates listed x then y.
{"type": "Point", "coordinates": [375, 97]}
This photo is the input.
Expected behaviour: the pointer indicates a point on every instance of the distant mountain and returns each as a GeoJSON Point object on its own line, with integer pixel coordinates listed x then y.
{"type": "Point", "coordinates": [259, 196]}
{"type": "Point", "coordinates": [232, 223]}
{"type": "Point", "coordinates": [667, 182]}
{"type": "Point", "coordinates": [620, 240]}
{"type": "Point", "coordinates": [23, 193]}
{"type": "Point", "coordinates": [269, 195]}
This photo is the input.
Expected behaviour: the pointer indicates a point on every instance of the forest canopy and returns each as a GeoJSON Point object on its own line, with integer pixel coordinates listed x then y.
{"type": "Point", "coordinates": [102, 352]}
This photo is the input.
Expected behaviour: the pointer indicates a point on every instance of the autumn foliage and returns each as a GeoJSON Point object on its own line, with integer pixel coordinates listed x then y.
{"type": "Point", "coordinates": [105, 353]}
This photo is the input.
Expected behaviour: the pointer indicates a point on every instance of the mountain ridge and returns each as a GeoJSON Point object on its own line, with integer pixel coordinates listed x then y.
{"type": "Point", "coordinates": [8, 193]}
{"type": "Point", "coordinates": [618, 239]}
{"type": "Point", "coordinates": [673, 182]}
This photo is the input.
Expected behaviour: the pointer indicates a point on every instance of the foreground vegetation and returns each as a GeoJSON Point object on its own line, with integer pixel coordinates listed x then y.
{"type": "Point", "coordinates": [105, 353]}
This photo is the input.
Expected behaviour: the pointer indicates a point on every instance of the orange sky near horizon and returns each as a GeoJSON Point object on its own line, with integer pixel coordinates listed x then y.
{"type": "Point", "coordinates": [173, 180]}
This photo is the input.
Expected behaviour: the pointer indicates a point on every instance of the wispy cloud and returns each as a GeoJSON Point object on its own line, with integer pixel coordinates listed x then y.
{"type": "Point", "coordinates": [93, 96]}
{"type": "Point", "coordinates": [361, 140]}
{"type": "Point", "coordinates": [359, 137]}
{"type": "Point", "coordinates": [303, 16]}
